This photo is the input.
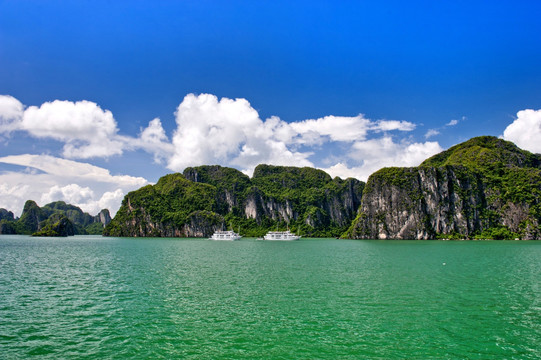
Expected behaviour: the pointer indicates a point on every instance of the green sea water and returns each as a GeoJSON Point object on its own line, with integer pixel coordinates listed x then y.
{"type": "Point", "coordinates": [115, 298]}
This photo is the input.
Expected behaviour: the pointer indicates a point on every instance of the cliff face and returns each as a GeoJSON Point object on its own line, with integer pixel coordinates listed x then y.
{"type": "Point", "coordinates": [208, 198]}
{"type": "Point", "coordinates": [103, 217]}
{"type": "Point", "coordinates": [484, 188]}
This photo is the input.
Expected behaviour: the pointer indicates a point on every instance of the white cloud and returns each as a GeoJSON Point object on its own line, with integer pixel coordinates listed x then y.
{"type": "Point", "coordinates": [13, 194]}
{"type": "Point", "coordinates": [230, 132]}
{"type": "Point", "coordinates": [341, 170]}
{"type": "Point", "coordinates": [331, 128]}
{"type": "Point", "coordinates": [209, 130]}
{"type": "Point", "coordinates": [110, 200]}
{"type": "Point", "coordinates": [371, 155]}
{"type": "Point", "coordinates": [525, 131]}
{"type": "Point", "coordinates": [11, 114]}
{"type": "Point", "coordinates": [87, 130]}
{"type": "Point", "coordinates": [431, 132]}
{"type": "Point", "coordinates": [72, 169]}
{"type": "Point", "coordinates": [343, 128]}
{"type": "Point", "coordinates": [84, 198]}
{"type": "Point", "coordinates": [72, 194]}
{"type": "Point", "coordinates": [389, 125]}
{"type": "Point", "coordinates": [452, 123]}
{"type": "Point", "coordinates": [154, 140]}
{"type": "Point", "coordinates": [84, 185]}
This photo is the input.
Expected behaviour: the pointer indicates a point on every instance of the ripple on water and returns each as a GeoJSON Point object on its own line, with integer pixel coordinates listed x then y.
{"type": "Point", "coordinates": [183, 298]}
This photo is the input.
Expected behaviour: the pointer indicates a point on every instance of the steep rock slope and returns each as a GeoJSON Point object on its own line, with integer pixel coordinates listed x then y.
{"type": "Point", "coordinates": [483, 188]}
{"type": "Point", "coordinates": [208, 198]}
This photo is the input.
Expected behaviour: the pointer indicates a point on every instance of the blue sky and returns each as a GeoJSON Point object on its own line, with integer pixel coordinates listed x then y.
{"type": "Point", "coordinates": [344, 86]}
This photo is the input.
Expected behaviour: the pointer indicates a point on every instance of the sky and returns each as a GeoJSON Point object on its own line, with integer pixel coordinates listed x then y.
{"type": "Point", "coordinates": [99, 98]}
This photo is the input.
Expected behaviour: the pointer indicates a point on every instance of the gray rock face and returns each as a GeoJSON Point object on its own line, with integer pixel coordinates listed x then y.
{"type": "Point", "coordinates": [238, 191]}
{"type": "Point", "coordinates": [197, 202]}
{"type": "Point", "coordinates": [103, 217]}
{"type": "Point", "coordinates": [142, 224]}
{"type": "Point", "coordinates": [420, 203]}
{"type": "Point", "coordinates": [339, 208]}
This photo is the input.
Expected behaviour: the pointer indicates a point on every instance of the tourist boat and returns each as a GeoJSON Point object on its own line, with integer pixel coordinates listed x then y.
{"type": "Point", "coordinates": [281, 235]}
{"type": "Point", "coordinates": [229, 235]}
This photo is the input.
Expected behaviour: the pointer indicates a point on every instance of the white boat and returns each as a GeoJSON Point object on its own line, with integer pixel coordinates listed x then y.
{"type": "Point", "coordinates": [281, 235]}
{"type": "Point", "coordinates": [229, 235]}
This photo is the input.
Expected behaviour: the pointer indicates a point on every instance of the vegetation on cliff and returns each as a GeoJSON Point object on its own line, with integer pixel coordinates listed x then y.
{"type": "Point", "coordinates": [306, 200]}
{"type": "Point", "coordinates": [56, 225]}
{"type": "Point", "coordinates": [484, 188]}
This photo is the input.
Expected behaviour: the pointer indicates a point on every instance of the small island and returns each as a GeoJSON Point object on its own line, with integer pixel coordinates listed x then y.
{"type": "Point", "coordinates": [54, 219]}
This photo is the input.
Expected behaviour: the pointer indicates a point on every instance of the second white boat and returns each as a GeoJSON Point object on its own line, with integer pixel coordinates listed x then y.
{"type": "Point", "coordinates": [281, 236]}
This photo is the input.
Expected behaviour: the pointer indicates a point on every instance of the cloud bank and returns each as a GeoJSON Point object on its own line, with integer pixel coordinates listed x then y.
{"type": "Point", "coordinates": [208, 130]}
{"type": "Point", "coordinates": [231, 132]}
{"type": "Point", "coordinates": [46, 178]}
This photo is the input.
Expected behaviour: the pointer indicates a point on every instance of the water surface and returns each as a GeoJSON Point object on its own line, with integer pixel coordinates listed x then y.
{"type": "Point", "coordinates": [95, 297]}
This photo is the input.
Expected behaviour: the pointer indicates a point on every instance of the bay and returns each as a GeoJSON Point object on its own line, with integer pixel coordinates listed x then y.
{"type": "Point", "coordinates": [96, 298]}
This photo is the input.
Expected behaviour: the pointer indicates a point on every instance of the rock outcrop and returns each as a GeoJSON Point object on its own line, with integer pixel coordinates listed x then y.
{"type": "Point", "coordinates": [208, 198]}
{"type": "Point", "coordinates": [483, 188]}
{"type": "Point", "coordinates": [103, 217]}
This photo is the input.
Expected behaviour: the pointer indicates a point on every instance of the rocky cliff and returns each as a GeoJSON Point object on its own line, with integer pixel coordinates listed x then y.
{"type": "Point", "coordinates": [208, 198]}
{"type": "Point", "coordinates": [483, 188]}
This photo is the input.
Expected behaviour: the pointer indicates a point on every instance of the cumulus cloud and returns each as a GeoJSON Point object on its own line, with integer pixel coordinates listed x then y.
{"type": "Point", "coordinates": [87, 130]}
{"type": "Point", "coordinates": [431, 132]}
{"type": "Point", "coordinates": [208, 130]}
{"type": "Point", "coordinates": [72, 194]}
{"type": "Point", "coordinates": [525, 131]}
{"type": "Point", "coordinates": [85, 198]}
{"type": "Point", "coordinates": [371, 155]}
{"type": "Point", "coordinates": [90, 187]}
{"type": "Point", "coordinates": [452, 123]}
{"type": "Point", "coordinates": [154, 140]}
{"type": "Point", "coordinates": [389, 125]}
{"type": "Point", "coordinates": [331, 128]}
{"type": "Point", "coordinates": [230, 132]}
{"type": "Point", "coordinates": [11, 114]}
{"type": "Point", "coordinates": [110, 200]}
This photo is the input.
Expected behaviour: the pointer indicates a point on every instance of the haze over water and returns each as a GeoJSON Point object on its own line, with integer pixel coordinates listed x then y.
{"type": "Point", "coordinates": [101, 298]}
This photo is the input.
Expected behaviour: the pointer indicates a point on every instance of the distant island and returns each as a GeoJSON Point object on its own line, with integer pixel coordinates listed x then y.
{"type": "Point", "coordinates": [484, 188]}
{"type": "Point", "coordinates": [54, 219]}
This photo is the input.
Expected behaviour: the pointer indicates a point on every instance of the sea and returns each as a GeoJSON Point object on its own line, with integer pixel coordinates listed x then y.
{"type": "Point", "coordinates": [93, 297]}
